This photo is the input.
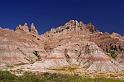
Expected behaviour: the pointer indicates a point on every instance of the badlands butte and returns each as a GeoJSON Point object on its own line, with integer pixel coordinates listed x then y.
{"type": "Point", "coordinates": [74, 48]}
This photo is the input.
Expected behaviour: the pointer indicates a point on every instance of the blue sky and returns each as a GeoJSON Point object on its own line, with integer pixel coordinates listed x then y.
{"type": "Point", "coordinates": [107, 15]}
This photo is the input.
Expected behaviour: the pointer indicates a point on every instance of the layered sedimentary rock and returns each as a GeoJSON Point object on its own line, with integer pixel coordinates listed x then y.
{"type": "Point", "coordinates": [19, 47]}
{"type": "Point", "coordinates": [73, 44]}
{"type": "Point", "coordinates": [105, 46]}
{"type": "Point", "coordinates": [86, 55]}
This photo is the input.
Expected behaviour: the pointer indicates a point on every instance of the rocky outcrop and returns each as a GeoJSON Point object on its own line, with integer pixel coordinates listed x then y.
{"type": "Point", "coordinates": [19, 48]}
{"type": "Point", "coordinates": [23, 28]}
{"type": "Point", "coordinates": [26, 29]}
{"type": "Point", "coordinates": [73, 44]}
{"type": "Point", "coordinates": [33, 29]}
{"type": "Point", "coordinates": [74, 26]}
{"type": "Point", "coordinates": [86, 55]}
{"type": "Point", "coordinates": [73, 31]}
{"type": "Point", "coordinates": [115, 35]}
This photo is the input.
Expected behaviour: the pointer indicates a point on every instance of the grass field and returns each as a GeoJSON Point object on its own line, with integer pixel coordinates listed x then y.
{"type": "Point", "coordinates": [6, 76]}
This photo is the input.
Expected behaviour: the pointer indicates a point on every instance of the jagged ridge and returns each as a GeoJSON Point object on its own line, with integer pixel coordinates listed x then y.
{"type": "Point", "coordinates": [74, 43]}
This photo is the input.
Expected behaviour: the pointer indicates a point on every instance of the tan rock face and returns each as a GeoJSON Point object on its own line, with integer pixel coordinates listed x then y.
{"type": "Point", "coordinates": [74, 43]}
{"type": "Point", "coordinates": [18, 48]}
{"type": "Point", "coordinates": [33, 29]}
{"type": "Point", "coordinates": [23, 28]}
{"type": "Point", "coordinates": [115, 34]}
{"type": "Point", "coordinates": [86, 55]}
{"type": "Point", "coordinates": [26, 29]}
{"type": "Point", "coordinates": [104, 42]}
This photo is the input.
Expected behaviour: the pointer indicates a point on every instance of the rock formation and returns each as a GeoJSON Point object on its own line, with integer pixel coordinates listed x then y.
{"type": "Point", "coordinates": [23, 28]}
{"type": "Point", "coordinates": [18, 48]}
{"type": "Point", "coordinates": [26, 29]}
{"type": "Point", "coordinates": [73, 44]}
{"type": "Point", "coordinates": [33, 29]}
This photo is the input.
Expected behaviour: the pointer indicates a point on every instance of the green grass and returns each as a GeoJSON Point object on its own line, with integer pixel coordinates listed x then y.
{"type": "Point", "coordinates": [6, 76]}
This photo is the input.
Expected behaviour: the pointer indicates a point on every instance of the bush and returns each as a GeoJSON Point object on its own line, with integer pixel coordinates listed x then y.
{"type": "Point", "coordinates": [113, 53]}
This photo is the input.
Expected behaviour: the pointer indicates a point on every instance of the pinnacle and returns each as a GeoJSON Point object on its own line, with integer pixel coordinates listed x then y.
{"type": "Point", "coordinates": [26, 29]}
{"type": "Point", "coordinates": [32, 25]}
{"type": "Point", "coordinates": [33, 29]}
{"type": "Point", "coordinates": [20, 25]}
{"type": "Point", "coordinates": [25, 24]}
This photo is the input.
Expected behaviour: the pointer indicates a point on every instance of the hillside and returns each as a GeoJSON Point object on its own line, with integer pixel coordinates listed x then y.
{"type": "Point", "coordinates": [72, 48]}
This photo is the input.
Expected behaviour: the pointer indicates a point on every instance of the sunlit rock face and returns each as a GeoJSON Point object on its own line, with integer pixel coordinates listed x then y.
{"type": "Point", "coordinates": [33, 29]}
{"type": "Point", "coordinates": [86, 55]}
{"type": "Point", "coordinates": [23, 28]}
{"type": "Point", "coordinates": [19, 47]}
{"type": "Point", "coordinates": [73, 44]}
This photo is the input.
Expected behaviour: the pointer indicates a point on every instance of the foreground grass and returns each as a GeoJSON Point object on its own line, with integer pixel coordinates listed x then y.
{"type": "Point", "coordinates": [6, 76]}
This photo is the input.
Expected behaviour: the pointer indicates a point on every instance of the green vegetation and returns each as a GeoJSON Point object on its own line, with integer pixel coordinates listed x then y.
{"type": "Point", "coordinates": [113, 54]}
{"type": "Point", "coordinates": [67, 68]}
{"type": "Point", "coordinates": [113, 51]}
{"type": "Point", "coordinates": [46, 77]}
